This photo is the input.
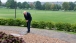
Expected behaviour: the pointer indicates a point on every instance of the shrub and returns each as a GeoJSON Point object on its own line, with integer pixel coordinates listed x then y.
{"type": "Point", "coordinates": [73, 28]}
{"type": "Point", "coordinates": [59, 26]}
{"type": "Point", "coordinates": [42, 24]}
{"type": "Point", "coordinates": [63, 26]}
{"type": "Point", "coordinates": [3, 21]}
{"type": "Point", "coordinates": [24, 23]}
{"type": "Point", "coordinates": [35, 24]}
{"type": "Point", "coordinates": [4, 38]}
{"type": "Point", "coordinates": [11, 22]}
{"type": "Point", "coordinates": [18, 22]}
{"type": "Point", "coordinates": [14, 22]}
{"type": "Point", "coordinates": [50, 25]}
{"type": "Point", "coordinates": [67, 27]}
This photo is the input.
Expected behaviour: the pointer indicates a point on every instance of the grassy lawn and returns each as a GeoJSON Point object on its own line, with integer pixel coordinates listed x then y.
{"type": "Point", "coordinates": [41, 15]}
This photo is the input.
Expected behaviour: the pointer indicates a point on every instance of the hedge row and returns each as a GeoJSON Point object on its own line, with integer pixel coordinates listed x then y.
{"type": "Point", "coordinates": [44, 25]}
{"type": "Point", "coordinates": [12, 22]}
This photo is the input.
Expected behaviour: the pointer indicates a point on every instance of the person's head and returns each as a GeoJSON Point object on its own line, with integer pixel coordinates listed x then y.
{"type": "Point", "coordinates": [25, 12]}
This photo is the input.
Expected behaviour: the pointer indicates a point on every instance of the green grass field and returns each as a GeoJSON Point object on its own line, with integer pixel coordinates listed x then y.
{"type": "Point", "coordinates": [41, 15]}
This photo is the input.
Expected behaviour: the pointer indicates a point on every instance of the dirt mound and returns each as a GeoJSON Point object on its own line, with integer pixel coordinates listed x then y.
{"type": "Point", "coordinates": [33, 38]}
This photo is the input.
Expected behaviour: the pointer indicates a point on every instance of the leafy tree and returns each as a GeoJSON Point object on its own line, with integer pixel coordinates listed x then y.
{"type": "Point", "coordinates": [43, 7]}
{"type": "Point", "coordinates": [55, 7]}
{"type": "Point", "coordinates": [72, 5]}
{"type": "Point", "coordinates": [11, 4]}
{"type": "Point", "coordinates": [52, 6]}
{"type": "Point", "coordinates": [25, 5]}
{"type": "Point", "coordinates": [58, 7]}
{"type": "Point", "coordinates": [65, 5]}
{"type": "Point", "coordinates": [19, 5]}
{"type": "Point", "coordinates": [47, 6]}
{"type": "Point", "coordinates": [8, 4]}
{"type": "Point", "coordinates": [31, 5]}
{"type": "Point", "coordinates": [38, 5]}
{"type": "Point", "coordinates": [75, 8]}
{"type": "Point", "coordinates": [0, 2]}
{"type": "Point", "coordinates": [75, 2]}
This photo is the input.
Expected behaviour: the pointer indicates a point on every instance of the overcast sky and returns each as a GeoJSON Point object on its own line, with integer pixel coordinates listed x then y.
{"type": "Point", "coordinates": [42, 0]}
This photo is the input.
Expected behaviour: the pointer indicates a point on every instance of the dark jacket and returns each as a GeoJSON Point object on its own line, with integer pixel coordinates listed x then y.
{"type": "Point", "coordinates": [28, 16]}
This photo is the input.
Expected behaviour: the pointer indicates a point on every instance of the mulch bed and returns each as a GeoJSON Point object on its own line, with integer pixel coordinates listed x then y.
{"type": "Point", "coordinates": [33, 38]}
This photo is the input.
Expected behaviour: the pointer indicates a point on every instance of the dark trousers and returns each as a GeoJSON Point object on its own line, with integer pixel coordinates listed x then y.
{"type": "Point", "coordinates": [28, 26]}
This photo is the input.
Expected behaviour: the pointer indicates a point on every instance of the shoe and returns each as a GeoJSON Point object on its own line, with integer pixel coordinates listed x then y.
{"type": "Point", "coordinates": [28, 32]}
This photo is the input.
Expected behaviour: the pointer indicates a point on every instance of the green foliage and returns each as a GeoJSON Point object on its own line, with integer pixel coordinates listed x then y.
{"type": "Point", "coordinates": [25, 5]}
{"type": "Point", "coordinates": [72, 5]}
{"type": "Point", "coordinates": [3, 21]}
{"type": "Point", "coordinates": [50, 25]}
{"type": "Point", "coordinates": [75, 8]}
{"type": "Point", "coordinates": [18, 22]}
{"type": "Point", "coordinates": [35, 24]}
{"type": "Point", "coordinates": [65, 5]}
{"type": "Point", "coordinates": [73, 28]}
{"type": "Point", "coordinates": [14, 22]}
{"type": "Point", "coordinates": [67, 27]}
{"type": "Point", "coordinates": [11, 4]}
{"type": "Point", "coordinates": [32, 6]}
{"type": "Point", "coordinates": [59, 26]}
{"type": "Point", "coordinates": [24, 23]}
{"type": "Point", "coordinates": [46, 6]}
{"type": "Point", "coordinates": [11, 22]}
{"type": "Point", "coordinates": [0, 3]}
{"type": "Point", "coordinates": [55, 7]}
{"type": "Point", "coordinates": [19, 5]}
{"type": "Point", "coordinates": [38, 5]}
{"type": "Point", "coordinates": [42, 24]}
{"type": "Point", "coordinates": [63, 26]}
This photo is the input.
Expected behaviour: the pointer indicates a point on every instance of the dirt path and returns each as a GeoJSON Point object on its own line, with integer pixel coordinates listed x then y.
{"type": "Point", "coordinates": [71, 38]}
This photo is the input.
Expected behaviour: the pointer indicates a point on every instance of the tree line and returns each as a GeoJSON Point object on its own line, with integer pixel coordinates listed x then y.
{"type": "Point", "coordinates": [39, 6]}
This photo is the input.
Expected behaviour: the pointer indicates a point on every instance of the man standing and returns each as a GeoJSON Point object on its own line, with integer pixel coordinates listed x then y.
{"type": "Point", "coordinates": [28, 18]}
